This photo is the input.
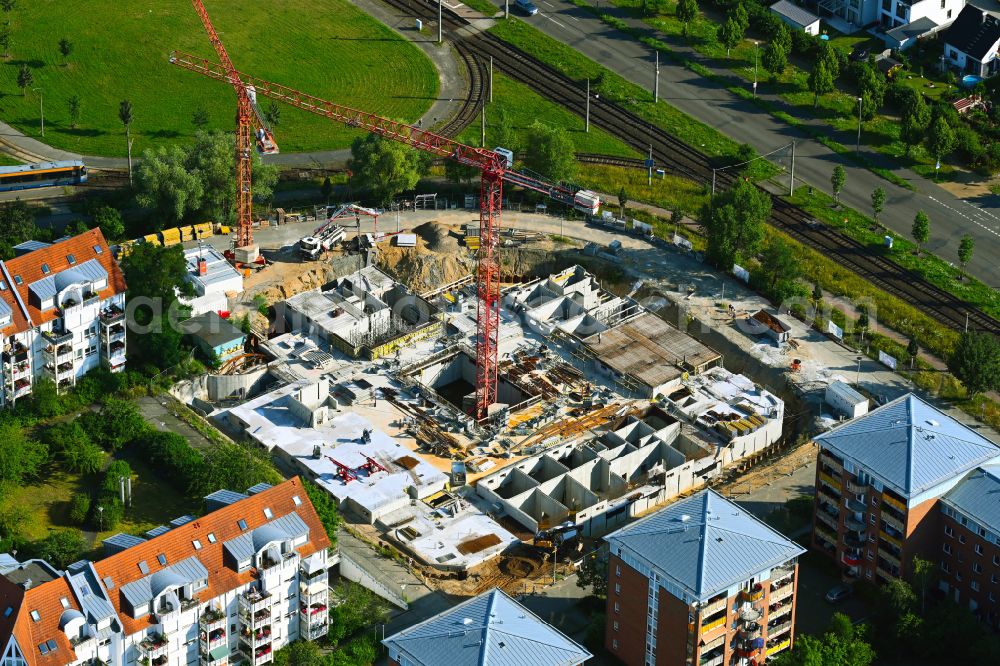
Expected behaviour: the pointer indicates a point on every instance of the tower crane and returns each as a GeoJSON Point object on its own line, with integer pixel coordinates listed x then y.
{"type": "Point", "coordinates": [492, 166]}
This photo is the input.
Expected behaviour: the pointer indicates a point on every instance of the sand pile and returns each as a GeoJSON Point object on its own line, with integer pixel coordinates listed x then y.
{"type": "Point", "coordinates": [437, 237]}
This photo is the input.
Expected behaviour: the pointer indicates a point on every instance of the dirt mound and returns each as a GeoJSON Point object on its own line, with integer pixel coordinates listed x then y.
{"type": "Point", "coordinates": [437, 237]}
{"type": "Point", "coordinates": [421, 268]}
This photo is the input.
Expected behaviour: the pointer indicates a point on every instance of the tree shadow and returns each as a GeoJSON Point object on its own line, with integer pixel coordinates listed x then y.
{"type": "Point", "coordinates": [163, 134]}
{"type": "Point", "coordinates": [81, 132]}
{"type": "Point", "coordinates": [33, 64]}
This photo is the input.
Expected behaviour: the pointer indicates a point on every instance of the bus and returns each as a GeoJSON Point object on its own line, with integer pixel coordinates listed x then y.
{"type": "Point", "coordinates": [43, 174]}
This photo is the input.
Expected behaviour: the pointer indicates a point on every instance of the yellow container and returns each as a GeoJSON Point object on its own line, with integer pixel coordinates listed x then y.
{"type": "Point", "coordinates": [187, 233]}
{"type": "Point", "coordinates": [153, 239]}
{"type": "Point", "coordinates": [203, 230]}
{"type": "Point", "coordinates": [171, 237]}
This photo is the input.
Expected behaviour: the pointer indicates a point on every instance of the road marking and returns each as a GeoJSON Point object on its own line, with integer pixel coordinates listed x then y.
{"type": "Point", "coordinates": [967, 217]}
{"type": "Point", "coordinates": [554, 21]}
{"type": "Point", "coordinates": [574, 18]}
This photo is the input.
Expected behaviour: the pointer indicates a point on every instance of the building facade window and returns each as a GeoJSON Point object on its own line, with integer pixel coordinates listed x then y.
{"type": "Point", "coordinates": [946, 547]}
{"type": "Point", "coordinates": [948, 531]}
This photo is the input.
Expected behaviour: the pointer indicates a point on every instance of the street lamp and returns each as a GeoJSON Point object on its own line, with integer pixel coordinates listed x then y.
{"type": "Point", "coordinates": [755, 69]}
{"type": "Point", "coordinates": [858, 149]}
{"type": "Point", "coordinates": [857, 379]}
{"type": "Point", "coordinates": [41, 108]}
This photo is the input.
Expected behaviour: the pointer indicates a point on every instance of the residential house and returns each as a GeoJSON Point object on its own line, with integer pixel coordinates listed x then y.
{"type": "Point", "coordinates": [972, 43]}
{"type": "Point", "coordinates": [214, 336]}
{"type": "Point", "coordinates": [62, 313]}
{"type": "Point", "coordinates": [879, 480]}
{"type": "Point", "coordinates": [796, 17]}
{"type": "Point", "coordinates": [488, 630]}
{"type": "Point", "coordinates": [701, 581]}
{"type": "Point", "coordinates": [233, 585]}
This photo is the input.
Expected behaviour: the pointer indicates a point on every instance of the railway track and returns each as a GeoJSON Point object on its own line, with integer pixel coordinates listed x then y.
{"type": "Point", "coordinates": [472, 105]}
{"type": "Point", "coordinates": [611, 160]}
{"type": "Point", "coordinates": [682, 159]}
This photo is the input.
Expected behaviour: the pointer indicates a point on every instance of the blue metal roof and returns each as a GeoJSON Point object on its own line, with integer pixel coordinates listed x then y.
{"type": "Point", "coordinates": [704, 545]}
{"type": "Point", "coordinates": [149, 587]}
{"type": "Point", "coordinates": [157, 531]}
{"type": "Point", "coordinates": [978, 496]}
{"type": "Point", "coordinates": [246, 545]}
{"type": "Point", "coordinates": [259, 488]}
{"type": "Point", "coordinates": [909, 445]}
{"type": "Point", "coordinates": [489, 630]}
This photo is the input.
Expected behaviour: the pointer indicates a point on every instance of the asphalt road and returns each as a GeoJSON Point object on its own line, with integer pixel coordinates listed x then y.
{"type": "Point", "coordinates": [712, 104]}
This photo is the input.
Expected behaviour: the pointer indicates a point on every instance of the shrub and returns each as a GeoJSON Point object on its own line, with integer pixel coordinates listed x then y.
{"type": "Point", "coordinates": [79, 508]}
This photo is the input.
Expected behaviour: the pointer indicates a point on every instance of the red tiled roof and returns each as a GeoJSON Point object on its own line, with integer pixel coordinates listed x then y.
{"type": "Point", "coordinates": [123, 568]}
{"type": "Point", "coordinates": [46, 599]}
{"type": "Point", "coordinates": [29, 267]}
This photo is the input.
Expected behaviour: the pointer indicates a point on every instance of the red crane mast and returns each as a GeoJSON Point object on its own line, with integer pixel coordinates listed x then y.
{"type": "Point", "coordinates": [492, 166]}
{"type": "Point", "coordinates": [245, 118]}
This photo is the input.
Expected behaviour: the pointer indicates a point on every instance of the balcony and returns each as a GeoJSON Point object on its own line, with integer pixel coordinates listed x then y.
{"type": "Point", "coordinates": [714, 660]}
{"type": "Point", "coordinates": [112, 315]}
{"type": "Point", "coordinates": [783, 592]}
{"type": "Point", "coordinates": [22, 387]}
{"type": "Point", "coordinates": [851, 559]}
{"type": "Point", "coordinates": [779, 628]}
{"type": "Point", "coordinates": [854, 505]}
{"type": "Point", "coordinates": [258, 637]}
{"type": "Point", "coordinates": [114, 333]}
{"type": "Point", "coordinates": [832, 482]}
{"type": "Point", "coordinates": [211, 618]}
{"type": "Point", "coordinates": [754, 595]}
{"type": "Point", "coordinates": [315, 631]}
{"type": "Point", "coordinates": [714, 605]}
{"type": "Point", "coordinates": [826, 458]}
{"type": "Point", "coordinates": [888, 538]}
{"type": "Point", "coordinates": [893, 522]}
{"type": "Point", "coordinates": [56, 338]}
{"type": "Point", "coordinates": [890, 558]}
{"type": "Point", "coordinates": [778, 646]}
{"type": "Point", "coordinates": [713, 623]}
{"type": "Point", "coordinates": [825, 535]}
{"type": "Point", "coordinates": [15, 354]}
{"type": "Point", "coordinates": [58, 353]}
{"type": "Point", "coordinates": [894, 503]}
{"type": "Point", "coordinates": [166, 612]}
{"type": "Point", "coordinates": [313, 609]}
{"type": "Point", "coordinates": [154, 646]}
{"type": "Point", "coordinates": [749, 631]}
{"type": "Point", "coordinates": [857, 487]}
{"type": "Point", "coordinates": [779, 609]}
{"type": "Point", "coordinates": [19, 369]}
{"type": "Point", "coordinates": [254, 600]}
{"type": "Point", "coordinates": [213, 639]}
{"type": "Point", "coordinates": [853, 541]}
{"type": "Point", "coordinates": [750, 615]}
{"type": "Point", "coordinates": [854, 525]}
{"type": "Point", "coordinates": [825, 498]}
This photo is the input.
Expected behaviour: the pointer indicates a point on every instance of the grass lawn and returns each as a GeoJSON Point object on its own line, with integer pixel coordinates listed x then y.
{"type": "Point", "coordinates": [484, 7]}
{"type": "Point", "coordinates": [327, 48]}
{"type": "Point", "coordinates": [610, 85]}
{"type": "Point", "coordinates": [524, 106]}
{"type": "Point", "coordinates": [7, 160]}
{"type": "Point", "coordinates": [669, 192]}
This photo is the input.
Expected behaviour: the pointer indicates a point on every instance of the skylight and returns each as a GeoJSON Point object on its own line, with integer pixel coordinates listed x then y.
{"type": "Point", "coordinates": [71, 258]}
{"type": "Point", "coordinates": [162, 559]}
{"type": "Point", "coordinates": [10, 609]}
{"type": "Point", "coordinates": [267, 513]}
{"type": "Point", "coordinates": [98, 249]}
{"type": "Point", "coordinates": [196, 544]}
{"type": "Point", "coordinates": [43, 648]}
{"type": "Point", "coordinates": [45, 269]}
{"type": "Point", "coordinates": [242, 523]}
{"type": "Point", "coordinates": [35, 616]}
{"type": "Point", "coordinates": [51, 645]}
{"type": "Point", "coordinates": [298, 502]}
{"type": "Point", "coordinates": [18, 280]}
{"type": "Point", "coordinates": [211, 537]}
{"type": "Point", "coordinates": [64, 601]}
{"type": "Point", "coordinates": [143, 567]}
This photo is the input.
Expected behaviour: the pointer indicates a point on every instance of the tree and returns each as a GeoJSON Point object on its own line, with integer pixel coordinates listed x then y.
{"type": "Point", "coordinates": [459, 173]}
{"type": "Point", "coordinates": [117, 424]}
{"type": "Point", "coordinates": [687, 11]}
{"type": "Point", "coordinates": [21, 457]}
{"type": "Point", "coordinates": [326, 189]}
{"type": "Point", "coordinates": [923, 572]}
{"type": "Point", "coordinates": [912, 349]}
{"type": "Point", "coordinates": [356, 607]}
{"type": "Point", "coordinates": [878, 202]}
{"type": "Point", "coordinates": [730, 34]}
{"type": "Point", "coordinates": [742, 17]}
{"type": "Point", "coordinates": [837, 181]}
{"type": "Point", "coordinates": [976, 362]}
{"type": "Point", "coordinates": [817, 293]}
{"type": "Point", "coordinates": [164, 184]}
{"type": "Point", "coordinates": [774, 58]}
{"type": "Point", "coordinates": [965, 247]}
{"type": "Point", "coordinates": [384, 167]}
{"type": "Point", "coordinates": [734, 225]}
{"type": "Point", "coordinates": [501, 131]}
{"type": "Point", "coordinates": [622, 201]}
{"type": "Point", "coordinates": [65, 48]}
{"type": "Point", "coordinates": [863, 320]}
{"type": "Point", "coordinates": [60, 548]}
{"type": "Point", "coordinates": [8, 6]}
{"type": "Point", "coordinates": [940, 138]}
{"type": "Point", "coordinates": [109, 220]}
{"type": "Point", "coordinates": [235, 466]}
{"type": "Point", "coordinates": [326, 509]}
{"type": "Point", "coordinates": [921, 228]}
{"type": "Point", "coordinates": [5, 39]}
{"type": "Point", "coordinates": [916, 116]}
{"type": "Point", "coordinates": [17, 224]}
{"type": "Point", "coordinates": [272, 114]}
{"type": "Point", "coordinates": [156, 273]}
{"type": "Point", "coordinates": [820, 80]}
{"type": "Point", "coordinates": [125, 115]}
{"type": "Point", "coordinates": [84, 457]}
{"type": "Point", "coordinates": [299, 653]}
{"type": "Point", "coordinates": [842, 644]}
{"type": "Point", "coordinates": [73, 106]}
{"type": "Point", "coordinates": [653, 7]}
{"type": "Point", "coordinates": [550, 152]}
{"type": "Point", "coordinates": [828, 54]}
{"type": "Point", "coordinates": [871, 89]}
{"type": "Point", "coordinates": [778, 272]}
{"type": "Point", "coordinates": [25, 78]}
{"type": "Point", "coordinates": [199, 118]}
{"type": "Point", "coordinates": [593, 574]}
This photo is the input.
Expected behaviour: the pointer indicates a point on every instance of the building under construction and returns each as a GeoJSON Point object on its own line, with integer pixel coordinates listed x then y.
{"type": "Point", "coordinates": [365, 315]}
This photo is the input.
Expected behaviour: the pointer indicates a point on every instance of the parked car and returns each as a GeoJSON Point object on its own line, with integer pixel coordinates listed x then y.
{"type": "Point", "coordinates": [838, 593]}
{"type": "Point", "coordinates": [526, 6]}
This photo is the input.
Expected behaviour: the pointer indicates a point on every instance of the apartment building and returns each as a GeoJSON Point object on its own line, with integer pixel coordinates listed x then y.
{"type": "Point", "coordinates": [231, 586]}
{"type": "Point", "coordinates": [488, 630]}
{"type": "Point", "coordinates": [700, 582]}
{"type": "Point", "coordinates": [879, 479]}
{"type": "Point", "coordinates": [62, 313]}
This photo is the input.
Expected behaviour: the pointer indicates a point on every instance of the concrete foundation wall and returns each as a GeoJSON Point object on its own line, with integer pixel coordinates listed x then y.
{"type": "Point", "coordinates": [221, 387]}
